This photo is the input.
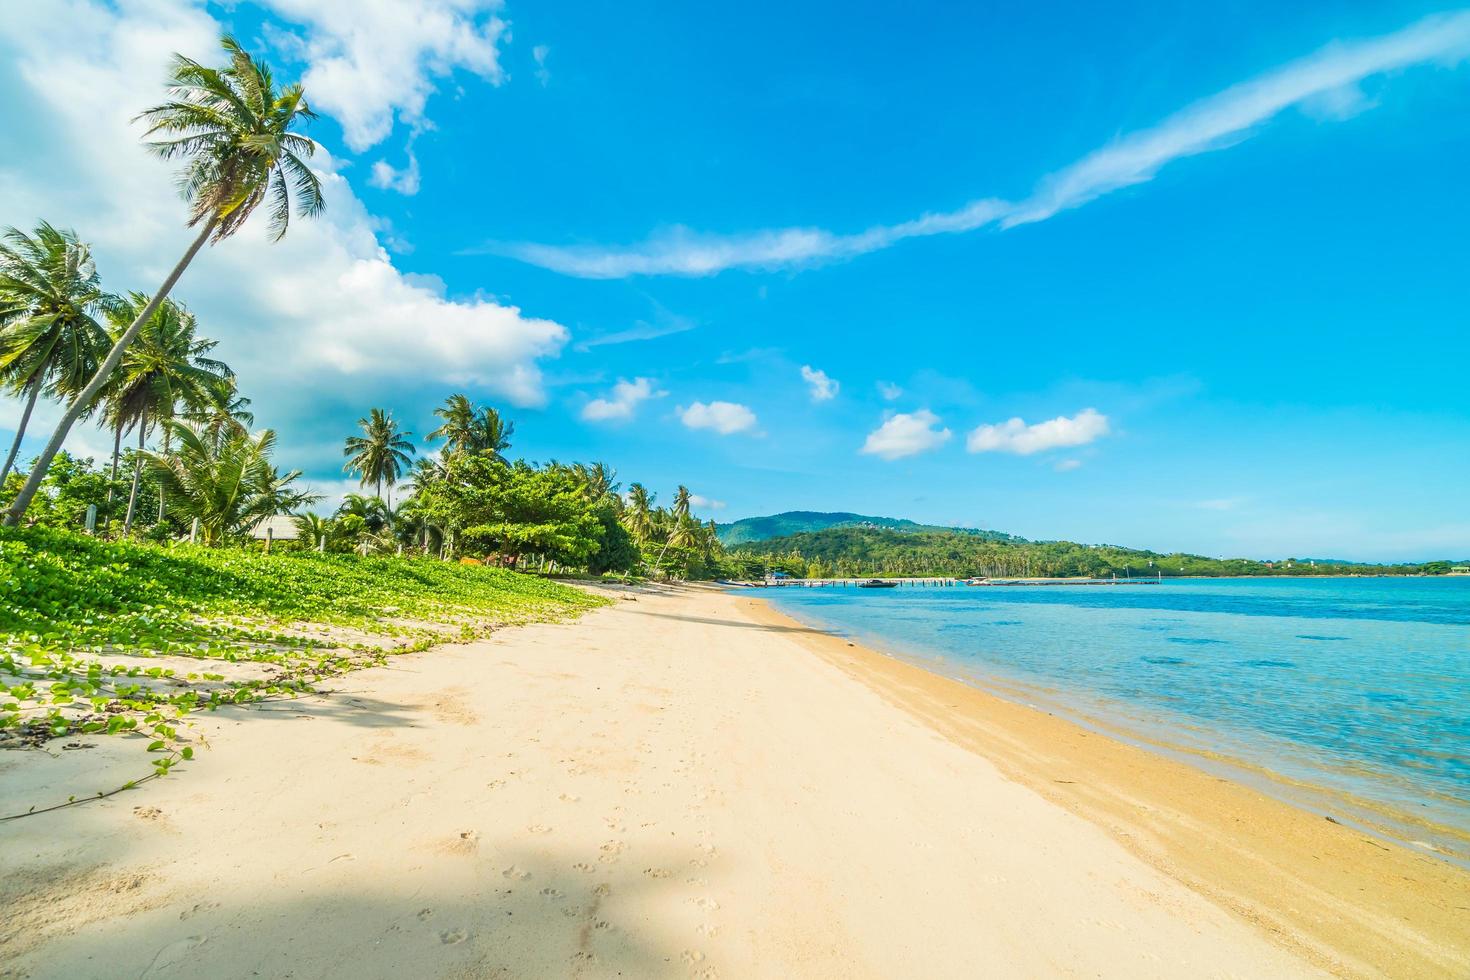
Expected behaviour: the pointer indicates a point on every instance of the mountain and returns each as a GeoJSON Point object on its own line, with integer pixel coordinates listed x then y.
{"type": "Point", "coordinates": [751, 529]}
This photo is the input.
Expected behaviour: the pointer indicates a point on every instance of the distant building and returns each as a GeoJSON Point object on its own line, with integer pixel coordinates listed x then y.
{"type": "Point", "coordinates": [281, 527]}
{"type": "Point", "coordinates": [1460, 570]}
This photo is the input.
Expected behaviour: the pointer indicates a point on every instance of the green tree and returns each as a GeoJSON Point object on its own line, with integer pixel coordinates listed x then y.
{"type": "Point", "coordinates": [167, 368]}
{"type": "Point", "coordinates": [50, 339]}
{"type": "Point", "coordinates": [639, 513]}
{"type": "Point", "coordinates": [235, 132]}
{"type": "Point", "coordinates": [380, 454]}
{"type": "Point", "coordinates": [468, 429]}
{"type": "Point", "coordinates": [227, 485]}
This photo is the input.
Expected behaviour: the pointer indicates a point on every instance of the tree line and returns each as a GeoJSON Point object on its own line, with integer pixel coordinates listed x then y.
{"type": "Point", "coordinates": [185, 460]}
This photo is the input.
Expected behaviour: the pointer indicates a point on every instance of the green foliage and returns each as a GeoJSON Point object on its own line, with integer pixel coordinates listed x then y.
{"type": "Point", "coordinates": [791, 522]}
{"type": "Point", "coordinates": [81, 619]}
{"type": "Point", "coordinates": [841, 552]}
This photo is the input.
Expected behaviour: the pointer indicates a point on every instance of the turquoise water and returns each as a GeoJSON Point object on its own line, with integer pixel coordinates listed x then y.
{"type": "Point", "coordinates": [1360, 686]}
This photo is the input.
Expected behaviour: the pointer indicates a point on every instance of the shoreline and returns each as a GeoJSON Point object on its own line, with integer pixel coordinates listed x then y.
{"type": "Point", "coordinates": [1320, 888]}
{"type": "Point", "coordinates": [1392, 825]}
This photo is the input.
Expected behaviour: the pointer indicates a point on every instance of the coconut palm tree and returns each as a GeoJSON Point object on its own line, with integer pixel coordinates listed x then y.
{"type": "Point", "coordinates": [380, 454]}
{"type": "Point", "coordinates": [226, 412]}
{"type": "Point", "coordinates": [313, 529]}
{"type": "Point", "coordinates": [468, 429]}
{"type": "Point", "coordinates": [166, 369]}
{"type": "Point", "coordinates": [227, 485]}
{"type": "Point", "coordinates": [598, 480]}
{"type": "Point", "coordinates": [639, 513]}
{"type": "Point", "coordinates": [681, 504]}
{"type": "Point", "coordinates": [234, 131]}
{"type": "Point", "coordinates": [50, 339]}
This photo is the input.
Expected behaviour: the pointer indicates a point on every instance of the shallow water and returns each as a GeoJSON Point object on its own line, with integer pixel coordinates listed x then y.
{"type": "Point", "coordinates": [1360, 686]}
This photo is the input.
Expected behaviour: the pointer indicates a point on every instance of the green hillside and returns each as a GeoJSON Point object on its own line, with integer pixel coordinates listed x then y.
{"type": "Point", "coordinates": [752, 529]}
{"type": "Point", "coordinates": [856, 550]}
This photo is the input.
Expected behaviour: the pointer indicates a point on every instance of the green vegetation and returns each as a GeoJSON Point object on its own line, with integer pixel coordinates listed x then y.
{"type": "Point", "coordinates": [126, 638]}
{"type": "Point", "coordinates": [798, 521]}
{"type": "Point", "coordinates": [843, 552]}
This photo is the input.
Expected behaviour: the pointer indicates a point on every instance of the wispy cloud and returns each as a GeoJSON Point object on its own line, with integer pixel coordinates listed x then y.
{"type": "Point", "coordinates": [538, 54]}
{"type": "Point", "coordinates": [700, 502]}
{"type": "Point", "coordinates": [822, 387]}
{"type": "Point", "coordinates": [1066, 465]}
{"type": "Point", "coordinates": [906, 434]}
{"type": "Point", "coordinates": [1323, 83]}
{"type": "Point", "coordinates": [404, 180]}
{"type": "Point", "coordinates": [622, 402]}
{"type": "Point", "coordinates": [641, 330]}
{"type": "Point", "coordinates": [890, 391]}
{"type": "Point", "coordinates": [1015, 436]}
{"type": "Point", "coordinates": [726, 418]}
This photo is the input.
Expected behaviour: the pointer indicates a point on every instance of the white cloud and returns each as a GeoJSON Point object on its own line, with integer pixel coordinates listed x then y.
{"type": "Point", "coordinates": [322, 318]}
{"type": "Point", "coordinates": [390, 178]}
{"type": "Point", "coordinates": [370, 62]}
{"type": "Point", "coordinates": [622, 402]}
{"type": "Point", "coordinates": [906, 434]}
{"type": "Point", "coordinates": [1015, 436]}
{"type": "Point", "coordinates": [699, 502]}
{"type": "Point", "coordinates": [890, 392]}
{"type": "Point", "coordinates": [669, 325]}
{"type": "Point", "coordinates": [725, 418]}
{"type": "Point", "coordinates": [1324, 84]}
{"type": "Point", "coordinates": [823, 388]}
{"type": "Point", "coordinates": [538, 54]}
{"type": "Point", "coordinates": [1066, 465]}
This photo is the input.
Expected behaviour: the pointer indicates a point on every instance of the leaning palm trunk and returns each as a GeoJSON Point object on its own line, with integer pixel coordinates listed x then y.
{"type": "Point", "coordinates": [99, 380]}
{"type": "Point", "coordinates": [137, 473]}
{"type": "Point", "coordinates": [20, 430]}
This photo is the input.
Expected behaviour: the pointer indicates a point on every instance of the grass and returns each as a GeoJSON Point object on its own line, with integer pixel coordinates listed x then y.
{"type": "Point", "coordinates": [117, 638]}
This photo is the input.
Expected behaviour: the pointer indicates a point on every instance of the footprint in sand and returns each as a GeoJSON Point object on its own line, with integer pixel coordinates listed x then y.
{"type": "Point", "coordinates": [583, 867]}
{"type": "Point", "coordinates": [656, 872]}
{"type": "Point", "coordinates": [692, 956]}
{"type": "Point", "coordinates": [572, 911]}
{"type": "Point", "coordinates": [515, 873]}
{"type": "Point", "coordinates": [425, 913]}
{"type": "Point", "coordinates": [610, 851]}
{"type": "Point", "coordinates": [552, 894]}
{"type": "Point", "coordinates": [706, 930]}
{"type": "Point", "coordinates": [453, 937]}
{"type": "Point", "coordinates": [706, 904]}
{"type": "Point", "coordinates": [538, 828]}
{"type": "Point", "coordinates": [603, 890]}
{"type": "Point", "coordinates": [569, 797]}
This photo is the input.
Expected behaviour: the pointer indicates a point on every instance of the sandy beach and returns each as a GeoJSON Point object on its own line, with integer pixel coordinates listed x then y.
{"type": "Point", "coordinates": [687, 784]}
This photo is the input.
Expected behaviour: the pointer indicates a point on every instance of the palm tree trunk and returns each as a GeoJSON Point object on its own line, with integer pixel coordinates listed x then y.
{"type": "Point", "coordinates": [20, 431]}
{"type": "Point", "coordinates": [116, 452]}
{"type": "Point", "coordinates": [137, 472]}
{"type": "Point", "coordinates": [160, 488]}
{"type": "Point", "coordinates": [99, 380]}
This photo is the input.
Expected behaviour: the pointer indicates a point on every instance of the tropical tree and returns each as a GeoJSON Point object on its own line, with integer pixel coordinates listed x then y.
{"type": "Point", "coordinates": [639, 513]}
{"type": "Point", "coordinates": [599, 480]}
{"type": "Point", "coordinates": [167, 368]}
{"type": "Point", "coordinates": [313, 529]}
{"type": "Point", "coordinates": [380, 454]}
{"type": "Point", "coordinates": [228, 485]}
{"type": "Point", "coordinates": [235, 132]}
{"type": "Point", "coordinates": [226, 412]}
{"type": "Point", "coordinates": [681, 504]}
{"type": "Point", "coordinates": [50, 339]}
{"type": "Point", "coordinates": [467, 429]}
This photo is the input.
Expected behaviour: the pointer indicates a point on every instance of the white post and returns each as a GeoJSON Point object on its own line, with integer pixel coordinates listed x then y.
{"type": "Point", "coordinates": [194, 531]}
{"type": "Point", "coordinates": [91, 518]}
{"type": "Point", "coordinates": [270, 535]}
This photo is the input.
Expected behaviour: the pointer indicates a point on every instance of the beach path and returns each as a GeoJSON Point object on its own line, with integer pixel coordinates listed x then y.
{"type": "Point", "coordinates": [668, 787]}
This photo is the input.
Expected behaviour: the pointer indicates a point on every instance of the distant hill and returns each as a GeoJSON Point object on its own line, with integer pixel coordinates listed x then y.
{"type": "Point", "coordinates": [751, 529]}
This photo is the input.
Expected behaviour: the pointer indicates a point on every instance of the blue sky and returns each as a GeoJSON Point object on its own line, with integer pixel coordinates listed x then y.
{"type": "Point", "coordinates": [1215, 262]}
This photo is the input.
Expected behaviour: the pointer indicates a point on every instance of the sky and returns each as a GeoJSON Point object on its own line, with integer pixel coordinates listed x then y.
{"type": "Point", "coordinates": [1142, 274]}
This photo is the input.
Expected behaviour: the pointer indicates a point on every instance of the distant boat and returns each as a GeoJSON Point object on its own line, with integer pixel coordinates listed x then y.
{"type": "Point", "coordinates": [877, 583]}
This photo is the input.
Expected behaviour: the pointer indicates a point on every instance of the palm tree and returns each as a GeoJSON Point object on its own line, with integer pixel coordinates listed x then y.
{"type": "Point", "coordinates": [228, 486]}
{"type": "Point", "coordinates": [380, 454]}
{"type": "Point", "coordinates": [468, 429]}
{"type": "Point", "coordinates": [639, 514]}
{"type": "Point", "coordinates": [168, 367]}
{"type": "Point", "coordinates": [234, 130]}
{"type": "Point", "coordinates": [226, 412]}
{"type": "Point", "coordinates": [313, 529]}
{"type": "Point", "coordinates": [598, 480]}
{"type": "Point", "coordinates": [681, 504]}
{"type": "Point", "coordinates": [49, 337]}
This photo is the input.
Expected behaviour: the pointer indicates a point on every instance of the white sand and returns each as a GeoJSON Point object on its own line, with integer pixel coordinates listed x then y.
{"type": "Point", "coordinates": [666, 788]}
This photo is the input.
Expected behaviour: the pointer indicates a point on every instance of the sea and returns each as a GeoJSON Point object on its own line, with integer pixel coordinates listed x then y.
{"type": "Point", "coordinates": [1346, 695]}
